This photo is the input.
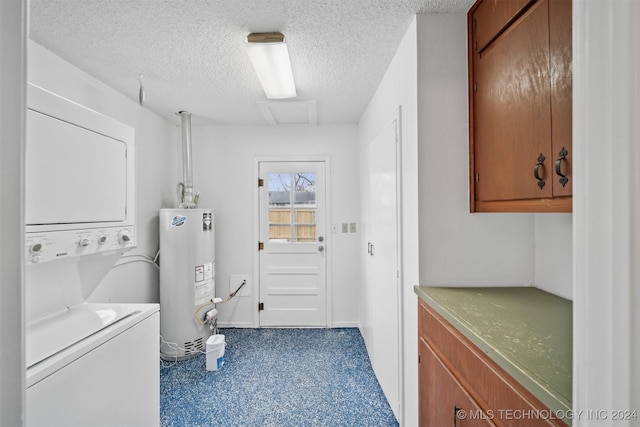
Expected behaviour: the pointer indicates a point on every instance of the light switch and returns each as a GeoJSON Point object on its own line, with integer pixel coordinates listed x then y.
{"type": "Point", "coordinates": [352, 227]}
{"type": "Point", "coordinates": [345, 227]}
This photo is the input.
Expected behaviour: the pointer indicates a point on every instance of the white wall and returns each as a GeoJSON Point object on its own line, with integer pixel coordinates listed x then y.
{"type": "Point", "coordinates": [554, 254]}
{"type": "Point", "coordinates": [156, 170]}
{"type": "Point", "coordinates": [223, 173]}
{"type": "Point", "coordinates": [399, 88]}
{"type": "Point", "coordinates": [13, 25]}
{"type": "Point", "coordinates": [457, 247]}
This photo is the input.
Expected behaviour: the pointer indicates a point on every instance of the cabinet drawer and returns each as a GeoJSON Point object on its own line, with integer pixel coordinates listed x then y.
{"type": "Point", "coordinates": [486, 382]}
{"type": "Point", "coordinates": [442, 398]}
{"type": "Point", "coordinates": [490, 17]}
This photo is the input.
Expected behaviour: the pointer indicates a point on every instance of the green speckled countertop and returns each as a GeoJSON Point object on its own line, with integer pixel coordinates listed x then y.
{"type": "Point", "coordinates": [526, 331]}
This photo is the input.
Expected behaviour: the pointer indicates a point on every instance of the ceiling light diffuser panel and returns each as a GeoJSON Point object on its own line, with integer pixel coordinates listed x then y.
{"type": "Point", "coordinates": [270, 58]}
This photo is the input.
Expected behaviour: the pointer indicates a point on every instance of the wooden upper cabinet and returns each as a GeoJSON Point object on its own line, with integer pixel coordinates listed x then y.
{"type": "Point", "coordinates": [513, 110]}
{"type": "Point", "coordinates": [520, 105]}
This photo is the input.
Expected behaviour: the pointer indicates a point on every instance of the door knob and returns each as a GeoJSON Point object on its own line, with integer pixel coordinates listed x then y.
{"type": "Point", "coordinates": [321, 248]}
{"type": "Point", "coordinates": [320, 239]}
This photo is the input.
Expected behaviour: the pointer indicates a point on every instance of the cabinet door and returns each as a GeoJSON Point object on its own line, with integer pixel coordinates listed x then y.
{"type": "Point", "coordinates": [513, 111]}
{"type": "Point", "coordinates": [443, 400]}
{"type": "Point", "coordinates": [490, 17]}
{"type": "Point", "coordinates": [560, 48]}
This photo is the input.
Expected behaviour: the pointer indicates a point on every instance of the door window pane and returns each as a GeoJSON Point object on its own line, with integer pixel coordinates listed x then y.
{"type": "Point", "coordinates": [292, 207]}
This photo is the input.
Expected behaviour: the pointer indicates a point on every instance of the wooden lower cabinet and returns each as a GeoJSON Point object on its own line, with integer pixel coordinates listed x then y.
{"type": "Point", "coordinates": [459, 385]}
{"type": "Point", "coordinates": [443, 400]}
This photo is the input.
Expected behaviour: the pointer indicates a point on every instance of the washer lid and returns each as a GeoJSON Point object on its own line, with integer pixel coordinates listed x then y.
{"type": "Point", "coordinates": [59, 331]}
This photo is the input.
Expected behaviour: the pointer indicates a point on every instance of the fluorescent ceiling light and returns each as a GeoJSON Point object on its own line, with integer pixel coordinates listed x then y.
{"type": "Point", "coordinates": [270, 58]}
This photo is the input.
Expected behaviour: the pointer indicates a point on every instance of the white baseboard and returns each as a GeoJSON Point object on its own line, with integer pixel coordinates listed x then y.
{"type": "Point", "coordinates": [345, 325]}
{"type": "Point", "coordinates": [235, 325]}
{"type": "Point", "coordinates": [250, 325]}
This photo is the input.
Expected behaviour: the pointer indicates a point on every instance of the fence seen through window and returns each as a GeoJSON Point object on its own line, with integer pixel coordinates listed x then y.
{"type": "Point", "coordinates": [292, 207]}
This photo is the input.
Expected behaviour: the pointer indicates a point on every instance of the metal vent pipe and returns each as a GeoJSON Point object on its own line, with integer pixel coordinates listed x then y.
{"type": "Point", "coordinates": [187, 199]}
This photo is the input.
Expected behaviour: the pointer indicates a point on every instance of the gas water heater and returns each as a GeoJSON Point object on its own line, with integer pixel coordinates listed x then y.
{"type": "Point", "coordinates": [187, 267]}
{"type": "Point", "coordinates": [187, 281]}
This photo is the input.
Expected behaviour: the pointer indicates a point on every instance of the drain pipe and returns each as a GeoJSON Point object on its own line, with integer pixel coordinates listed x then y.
{"type": "Point", "coordinates": [187, 198]}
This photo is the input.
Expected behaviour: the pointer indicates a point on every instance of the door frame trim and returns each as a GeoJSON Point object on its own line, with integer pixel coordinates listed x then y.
{"type": "Point", "coordinates": [397, 117]}
{"type": "Point", "coordinates": [326, 159]}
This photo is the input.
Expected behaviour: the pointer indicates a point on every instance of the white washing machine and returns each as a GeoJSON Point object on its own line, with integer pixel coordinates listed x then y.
{"type": "Point", "coordinates": [94, 364]}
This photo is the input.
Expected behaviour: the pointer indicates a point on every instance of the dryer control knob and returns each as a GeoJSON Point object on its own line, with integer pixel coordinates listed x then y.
{"type": "Point", "coordinates": [84, 242]}
{"type": "Point", "coordinates": [102, 239]}
{"type": "Point", "coordinates": [124, 237]}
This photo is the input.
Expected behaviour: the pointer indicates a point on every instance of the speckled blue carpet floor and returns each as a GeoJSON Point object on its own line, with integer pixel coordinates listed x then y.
{"type": "Point", "coordinates": [278, 377]}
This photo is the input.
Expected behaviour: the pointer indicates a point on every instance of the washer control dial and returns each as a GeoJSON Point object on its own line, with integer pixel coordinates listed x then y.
{"type": "Point", "coordinates": [36, 248]}
{"type": "Point", "coordinates": [124, 237]}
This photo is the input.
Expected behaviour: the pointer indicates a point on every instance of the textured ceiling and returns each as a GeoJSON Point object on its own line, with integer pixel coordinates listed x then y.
{"type": "Point", "coordinates": [192, 55]}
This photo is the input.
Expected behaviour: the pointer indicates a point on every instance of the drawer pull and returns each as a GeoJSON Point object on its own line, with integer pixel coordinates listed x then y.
{"type": "Point", "coordinates": [563, 178]}
{"type": "Point", "coordinates": [455, 415]}
{"type": "Point", "coordinates": [536, 170]}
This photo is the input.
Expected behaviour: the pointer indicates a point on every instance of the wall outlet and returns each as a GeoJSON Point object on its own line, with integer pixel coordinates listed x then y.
{"type": "Point", "coordinates": [235, 280]}
{"type": "Point", "coordinates": [334, 228]}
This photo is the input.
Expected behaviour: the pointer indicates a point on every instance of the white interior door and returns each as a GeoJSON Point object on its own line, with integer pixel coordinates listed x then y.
{"type": "Point", "coordinates": [380, 315]}
{"type": "Point", "coordinates": [292, 241]}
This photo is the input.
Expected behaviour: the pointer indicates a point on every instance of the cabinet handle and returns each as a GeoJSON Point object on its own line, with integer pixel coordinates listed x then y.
{"type": "Point", "coordinates": [536, 171]}
{"type": "Point", "coordinates": [455, 415]}
{"type": "Point", "coordinates": [563, 178]}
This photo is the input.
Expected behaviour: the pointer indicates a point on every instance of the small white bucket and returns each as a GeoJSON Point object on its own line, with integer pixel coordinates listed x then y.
{"type": "Point", "coordinates": [215, 352]}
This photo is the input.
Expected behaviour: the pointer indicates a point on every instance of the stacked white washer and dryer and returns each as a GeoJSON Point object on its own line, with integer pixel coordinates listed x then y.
{"type": "Point", "coordinates": [87, 363]}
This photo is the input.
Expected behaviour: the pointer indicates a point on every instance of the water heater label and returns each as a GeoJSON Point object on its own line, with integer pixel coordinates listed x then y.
{"type": "Point", "coordinates": [204, 283]}
{"type": "Point", "coordinates": [208, 271]}
{"type": "Point", "coordinates": [199, 273]}
{"type": "Point", "coordinates": [178, 220]}
{"type": "Point", "coordinates": [203, 292]}
{"type": "Point", "coordinates": [206, 221]}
